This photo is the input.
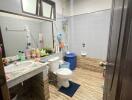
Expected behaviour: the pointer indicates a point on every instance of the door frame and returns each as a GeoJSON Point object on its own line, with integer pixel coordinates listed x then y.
{"type": "Point", "coordinates": [3, 89]}
{"type": "Point", "coordinates": [1, 42]}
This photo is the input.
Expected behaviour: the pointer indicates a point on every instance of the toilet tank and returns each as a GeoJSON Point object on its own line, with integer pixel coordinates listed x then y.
{"type": "Point", "coordinates": [54, 64]}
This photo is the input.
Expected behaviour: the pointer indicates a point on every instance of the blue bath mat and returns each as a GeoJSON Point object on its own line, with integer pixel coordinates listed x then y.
{"type": "Point", "coordinates": [70, 91]}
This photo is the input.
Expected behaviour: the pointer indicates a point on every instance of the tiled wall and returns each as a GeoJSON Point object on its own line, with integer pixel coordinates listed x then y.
{"type": "Point", "coordinates": [91, 29]}
{"type": "Point", "coordinates": [15, 41]}
{"type": "Point", "coordinates": [91, 64]}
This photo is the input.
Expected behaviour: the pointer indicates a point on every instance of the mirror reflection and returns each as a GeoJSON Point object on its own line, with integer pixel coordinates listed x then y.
{"type": "Point", "coordinates": [20, 33]}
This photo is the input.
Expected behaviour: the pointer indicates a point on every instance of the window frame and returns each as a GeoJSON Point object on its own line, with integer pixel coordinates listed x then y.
{"type": "Point", "coordinates": [53, 9]}
{"type": "Point", "coordinates": [36, 13]}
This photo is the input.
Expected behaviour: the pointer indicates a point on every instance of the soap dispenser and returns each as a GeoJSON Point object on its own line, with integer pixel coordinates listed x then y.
{"type": "Point", "coordinates": [83, 51]}
{"type": "Point", "coordinates": [21, 55]}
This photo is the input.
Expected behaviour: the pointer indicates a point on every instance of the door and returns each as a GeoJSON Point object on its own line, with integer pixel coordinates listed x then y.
{"type": "Point", "coordinates": [126, 80]}
{"type": "Point", "coordinates": [2, 44]}
{"type": "Point", "coordinates": [114, 50]}
{"type": "Point", "coordinates": [125, 83]}
{"type": "Point", "coordinates": [4, 93]}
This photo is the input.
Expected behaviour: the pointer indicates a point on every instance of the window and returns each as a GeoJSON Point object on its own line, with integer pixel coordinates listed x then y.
{"type": "Point", "coordinates": [29, 6]}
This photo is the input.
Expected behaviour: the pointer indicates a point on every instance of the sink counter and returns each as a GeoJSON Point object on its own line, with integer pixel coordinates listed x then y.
{"type": "Point", "coordinates": [17, 73]}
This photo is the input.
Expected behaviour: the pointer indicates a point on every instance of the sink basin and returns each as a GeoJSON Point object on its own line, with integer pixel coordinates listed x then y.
{"type": "Point", "coordinates": [18, 67]}
{"type": "Point", "coordinates": [24, 64]}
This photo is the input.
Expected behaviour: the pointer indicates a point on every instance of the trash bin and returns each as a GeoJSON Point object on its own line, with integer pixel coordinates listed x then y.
{"type": "Point", "coordinates": [72, 59]}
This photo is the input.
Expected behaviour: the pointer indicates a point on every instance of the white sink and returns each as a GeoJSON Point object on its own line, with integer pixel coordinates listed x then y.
{"type": "Point", "coordinates": [18, 67]}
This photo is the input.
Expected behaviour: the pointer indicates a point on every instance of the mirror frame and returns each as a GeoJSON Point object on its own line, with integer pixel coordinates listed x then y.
{"type": "Point", "coordinates": [53, 9]}
{"type": "Point", "coordinates": [29, 12]}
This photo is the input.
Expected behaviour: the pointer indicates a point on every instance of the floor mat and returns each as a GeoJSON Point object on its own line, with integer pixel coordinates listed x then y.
{"type": "Point", "coordinates": [70, 91]}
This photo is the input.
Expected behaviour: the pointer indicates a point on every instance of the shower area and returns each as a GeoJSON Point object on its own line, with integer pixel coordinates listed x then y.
{"type": "Point", "coordinates": [85, 32]}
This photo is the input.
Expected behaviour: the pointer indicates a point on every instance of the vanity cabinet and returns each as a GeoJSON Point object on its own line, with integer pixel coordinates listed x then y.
{"type": "Point", "coordinates": [42, 9]}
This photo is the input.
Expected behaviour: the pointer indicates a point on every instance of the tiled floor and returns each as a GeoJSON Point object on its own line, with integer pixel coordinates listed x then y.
{"type": "Point", "coordinates": [90, 89]}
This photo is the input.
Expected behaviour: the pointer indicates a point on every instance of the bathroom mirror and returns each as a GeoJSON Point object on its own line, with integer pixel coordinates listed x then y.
{"type": "Point", "coordinates": [15, 35]}
{"type": "Point", "coordinates": [29, 6]}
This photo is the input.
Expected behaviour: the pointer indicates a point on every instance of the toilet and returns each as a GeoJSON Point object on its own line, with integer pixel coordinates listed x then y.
{"type": "Point", "coordinates": [63, 74]}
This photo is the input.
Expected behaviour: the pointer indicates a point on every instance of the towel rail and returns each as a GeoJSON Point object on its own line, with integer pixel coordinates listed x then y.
{"type": "Point", "coordinates": [15, 30]}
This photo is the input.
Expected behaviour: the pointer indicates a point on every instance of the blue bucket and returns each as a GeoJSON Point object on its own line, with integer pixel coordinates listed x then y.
{"type": "Point", "coordinates": [72, 59]}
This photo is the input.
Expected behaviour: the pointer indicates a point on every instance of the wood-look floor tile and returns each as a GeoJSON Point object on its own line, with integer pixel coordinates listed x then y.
{"type": "Point", "coordinates": [90, 89]}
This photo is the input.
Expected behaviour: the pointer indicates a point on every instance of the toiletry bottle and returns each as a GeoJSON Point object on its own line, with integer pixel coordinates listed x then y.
{"type": "Point", "coordinates": [37, 53]}
{"type": "Point", "coordinates": [23, 56]}
{"type": "Point", "coordinates": [19, 55]}
{"type": "Point", "coordinates": [84, 50]}
{"type": "Point", "coordinates": [33, 53]}
{"type": "Point", "coordinates": [27, 53]}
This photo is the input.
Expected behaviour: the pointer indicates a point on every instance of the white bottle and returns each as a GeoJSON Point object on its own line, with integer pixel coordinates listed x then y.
{"type": "Point", "coordinates": [83, 51]}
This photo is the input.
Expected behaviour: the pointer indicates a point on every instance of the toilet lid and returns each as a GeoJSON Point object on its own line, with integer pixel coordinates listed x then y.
{"type": "Point", "coordinates": [64, 71]}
